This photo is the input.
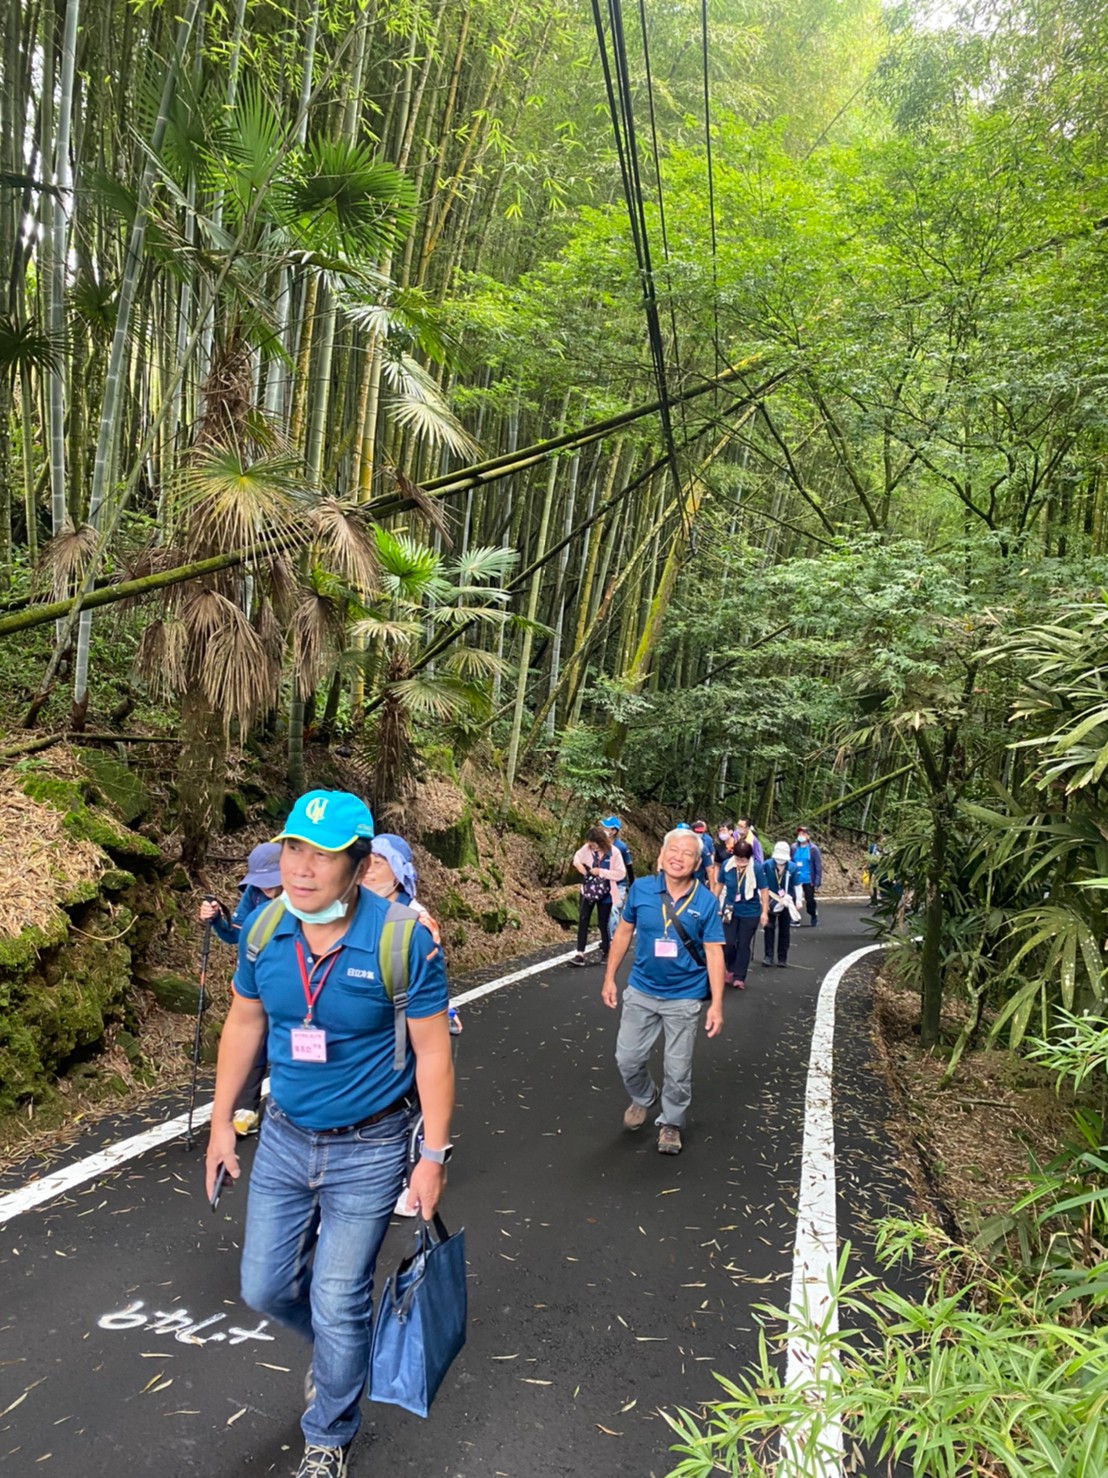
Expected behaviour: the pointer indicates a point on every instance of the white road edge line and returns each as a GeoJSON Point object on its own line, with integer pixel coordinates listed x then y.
{"type": "Point", "coordinates": [35, 1192]}
{"type": "Point", "coordinates": [816, 1252]}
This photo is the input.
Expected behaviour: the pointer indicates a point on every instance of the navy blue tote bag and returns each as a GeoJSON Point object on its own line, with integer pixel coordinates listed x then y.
{"type": "Point", "coordinates": [421, 1321]}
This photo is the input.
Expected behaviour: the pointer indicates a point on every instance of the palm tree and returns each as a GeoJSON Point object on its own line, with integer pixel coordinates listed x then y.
{"type": "Point", "coordinates": [421, 593]}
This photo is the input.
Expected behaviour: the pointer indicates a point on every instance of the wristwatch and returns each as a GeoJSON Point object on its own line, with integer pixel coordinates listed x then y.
{"type": "Point", "coordinates": [437, 1157]}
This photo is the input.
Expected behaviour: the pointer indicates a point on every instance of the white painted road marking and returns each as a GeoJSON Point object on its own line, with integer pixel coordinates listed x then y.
{"type": "Point", "coordinates": [816, 1253]}
{"type": "Point", "coordinates": [59, 1181]}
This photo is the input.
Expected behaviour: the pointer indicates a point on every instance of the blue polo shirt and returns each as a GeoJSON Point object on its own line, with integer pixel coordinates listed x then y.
{"type": "Point", "coordinates": [352, 1008]}
{"type": "Point", "coordinates": [679, 978]}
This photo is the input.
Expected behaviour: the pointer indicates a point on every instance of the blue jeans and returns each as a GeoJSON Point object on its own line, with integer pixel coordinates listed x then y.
{"type": "Point", "coordinates": [317, 1213]}
{"type": "Point", "coordinates": [643, 1017]}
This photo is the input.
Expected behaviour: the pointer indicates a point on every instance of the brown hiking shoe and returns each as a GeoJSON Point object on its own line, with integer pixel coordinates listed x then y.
{"type": "Point", "coordinates": [634, 1115]}
{"type": "Point", "coordinates": [669, 1140]}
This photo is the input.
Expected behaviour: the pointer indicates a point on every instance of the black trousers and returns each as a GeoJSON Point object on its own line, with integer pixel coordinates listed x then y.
{"type": "Point", "coordinates": [603, 908]}
{"type": "Point", "coordinates": [778, 929]}
{"type": "Point", "coordinates": [810, 900]}
{"type": "Point", "coordinates": [738, 934]}
{"type": "Point", "coordinates": [251, 1095]}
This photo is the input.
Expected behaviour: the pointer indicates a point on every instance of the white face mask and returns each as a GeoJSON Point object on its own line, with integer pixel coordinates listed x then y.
{"type": "Point", "coordinates": [329, 915]}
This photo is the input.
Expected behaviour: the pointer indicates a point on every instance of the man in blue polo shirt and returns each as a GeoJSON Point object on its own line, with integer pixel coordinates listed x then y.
{"type": "Point", "coordinates": [334, 1138]}
{"type": "Point", "coordinates": [678, 964]}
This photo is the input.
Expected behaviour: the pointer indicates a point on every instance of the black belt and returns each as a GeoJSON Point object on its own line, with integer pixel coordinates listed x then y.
{"type": "Point", "coordinates": [393, 1108]}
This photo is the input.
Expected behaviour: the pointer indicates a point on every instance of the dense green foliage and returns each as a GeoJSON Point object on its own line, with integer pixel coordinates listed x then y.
{"type": "Point", "coordinates": [275, 284]}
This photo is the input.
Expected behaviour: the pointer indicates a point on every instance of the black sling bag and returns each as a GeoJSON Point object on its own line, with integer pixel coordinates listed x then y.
{"type": "Point", "coordinates": [693, 948]}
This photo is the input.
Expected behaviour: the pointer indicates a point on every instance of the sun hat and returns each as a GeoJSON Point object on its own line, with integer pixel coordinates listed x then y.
{"type": "Point", "coordinates": [781, 852]}
{"type": "Point", "coordinates": [263, 869]}
{"type": "Point", "coordinates": [331, 820]}
{"type": "Point", "coordinates": [613, 823]}
{"type": "Point", "coordinates": [700, 826]}
{"type": "Point", "coordinates": [396, 852]}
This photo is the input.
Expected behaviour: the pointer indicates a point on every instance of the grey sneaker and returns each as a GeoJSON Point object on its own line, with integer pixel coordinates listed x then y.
{"type": "Point", "coordinates": [634, 1115]}
{"type": "Point", "coordinates": [323, 1462]}
{"type": "Point", "coordinates": [309, 1386]}
{"type": "Point", "coordinates": [669, 1140]}
{"type": "Point", "coordinates": [578, 959]}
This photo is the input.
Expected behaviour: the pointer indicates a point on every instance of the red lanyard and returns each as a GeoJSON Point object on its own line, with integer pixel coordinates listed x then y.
{"type": "Point", "coordinates": [311, 996]}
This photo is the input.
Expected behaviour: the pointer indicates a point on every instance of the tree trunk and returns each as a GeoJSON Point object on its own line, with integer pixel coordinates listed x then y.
{"type": "Point", "coordinates": [931, 970]}
{"type": "Point", "coordinates": [200, 775]}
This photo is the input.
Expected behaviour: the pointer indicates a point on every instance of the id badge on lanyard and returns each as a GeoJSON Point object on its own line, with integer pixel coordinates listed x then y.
{"type": "Point", "coordinates": [308, 1043]}
{"type": "Point", "coordinates": [666, 948]}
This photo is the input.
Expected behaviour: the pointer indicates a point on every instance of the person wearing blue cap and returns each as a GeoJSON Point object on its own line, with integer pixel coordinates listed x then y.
{"type": "Point", "coordinates": [613, 826]}
{"type": "Point", "coordinates": [345, 1069]}
{"type": "Point", "coordinates": [261, 883]}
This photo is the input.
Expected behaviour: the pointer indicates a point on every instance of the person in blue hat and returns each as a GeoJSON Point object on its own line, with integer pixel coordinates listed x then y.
{"type": "Point", "coordinates": [261, 883]}
{"type": "Point", "coordinates": [613, 826]}
{"type": "Point", "coordinates": [334, 1139]}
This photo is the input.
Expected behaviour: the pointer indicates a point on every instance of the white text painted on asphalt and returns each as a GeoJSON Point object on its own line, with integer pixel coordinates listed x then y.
{"type": "Point", "coordinates": [180, 1323]}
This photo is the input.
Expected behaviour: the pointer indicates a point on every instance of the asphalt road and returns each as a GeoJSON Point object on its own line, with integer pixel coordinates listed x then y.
{"type": "Point", "coordinates": [606, 1281]}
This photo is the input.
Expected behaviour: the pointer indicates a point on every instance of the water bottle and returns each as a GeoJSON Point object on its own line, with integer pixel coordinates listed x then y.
{"type": "Point", "coordinates": [454, 1021]}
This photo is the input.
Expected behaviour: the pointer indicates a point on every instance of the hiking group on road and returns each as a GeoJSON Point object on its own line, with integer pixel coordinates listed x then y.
{"type": "Point", "coordinates": [341, 987]}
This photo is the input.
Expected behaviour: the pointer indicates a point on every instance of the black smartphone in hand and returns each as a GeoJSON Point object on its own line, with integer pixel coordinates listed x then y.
{"type": "Point", "coordinates": [220, 1177]}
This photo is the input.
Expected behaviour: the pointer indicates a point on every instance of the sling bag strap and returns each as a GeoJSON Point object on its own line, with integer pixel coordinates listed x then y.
{"type": "Point", "coordinates": [392, 960]}
{"type": "Point", "coordinates": [691, 945]}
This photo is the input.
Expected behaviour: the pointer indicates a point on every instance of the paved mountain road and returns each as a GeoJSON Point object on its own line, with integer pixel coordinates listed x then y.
{"type": "Point", "coordinates": [606, 1280]}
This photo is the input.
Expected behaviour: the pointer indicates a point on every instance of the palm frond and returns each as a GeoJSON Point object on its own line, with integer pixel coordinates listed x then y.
{"type": "Point", "coordinates": [484, 564]}
{"type": "Point", "coordinates": [317, 639]}
{"type": "Point", "coordinates": [252, 139]}
{"type": "Point", "coordinates": [474, 663]}
{"type": "Point", "coordinates": [401, 315]}
{"type": "Point", "coordinates": [281, 581]}
{"type": "Point", "coordinates": [161, 658]}
{"type": "Point", "coordinates": [339, 533]}
{"type": "Point", "coordinates": [408, 569]}
{"type": "Point", "coordinates": [24, 345]}
{"type": "Point", "coordinates": [229, 658]}
{"type": "Point", "coordinates": [229, 502]}
{"type": "Point", "coordinates": [342, 198]}
{"type": "Point", "coordinates": [386, 632]}
{"type": "Point", "coordinates": [65, 558]}
{"type": "Point", "coordinates": [432, 699]}
{"type": "Point", "coordinates": [269, 631]}
{"type": "Point", "coordinates": [430, 508]}
{"type": "Point", "coordinates": [417, 403]}
{"type": "Point", "coordinates": [462, 615]}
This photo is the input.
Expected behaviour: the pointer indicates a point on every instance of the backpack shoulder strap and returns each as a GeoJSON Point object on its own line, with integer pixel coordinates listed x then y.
{"type": "Point", "coordinates": [263, 928]}
{"type": "Point", "coordinates": [392, 959]}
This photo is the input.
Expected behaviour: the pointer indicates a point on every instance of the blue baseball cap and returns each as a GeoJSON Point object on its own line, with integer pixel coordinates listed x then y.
{"type": "Point", "coordinates": [264, 867]}
{"type": "Point", "coordinates": [331, 820]}
{"type": "Point", "coordinates": [613, 823]}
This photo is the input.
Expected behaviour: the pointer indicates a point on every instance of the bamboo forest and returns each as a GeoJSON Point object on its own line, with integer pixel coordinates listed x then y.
{"type": "Point", "coordinates": [538, 417]}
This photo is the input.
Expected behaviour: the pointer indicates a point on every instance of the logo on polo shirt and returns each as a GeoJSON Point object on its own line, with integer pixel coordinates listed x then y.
{"type": "Point", "coordinates": [360, 975]}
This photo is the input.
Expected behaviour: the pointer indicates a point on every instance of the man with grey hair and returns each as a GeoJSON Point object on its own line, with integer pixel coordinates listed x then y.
{"type": "Point", "coordinates": [678, 965]}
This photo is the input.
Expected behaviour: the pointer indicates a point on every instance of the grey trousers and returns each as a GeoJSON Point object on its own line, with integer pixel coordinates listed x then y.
{"type": "Point", "coordinates": [643, 1018]}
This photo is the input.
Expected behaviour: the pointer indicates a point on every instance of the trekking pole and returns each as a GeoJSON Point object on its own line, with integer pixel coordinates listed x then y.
{"type": "Point", "coordinates": [201, 1004]}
